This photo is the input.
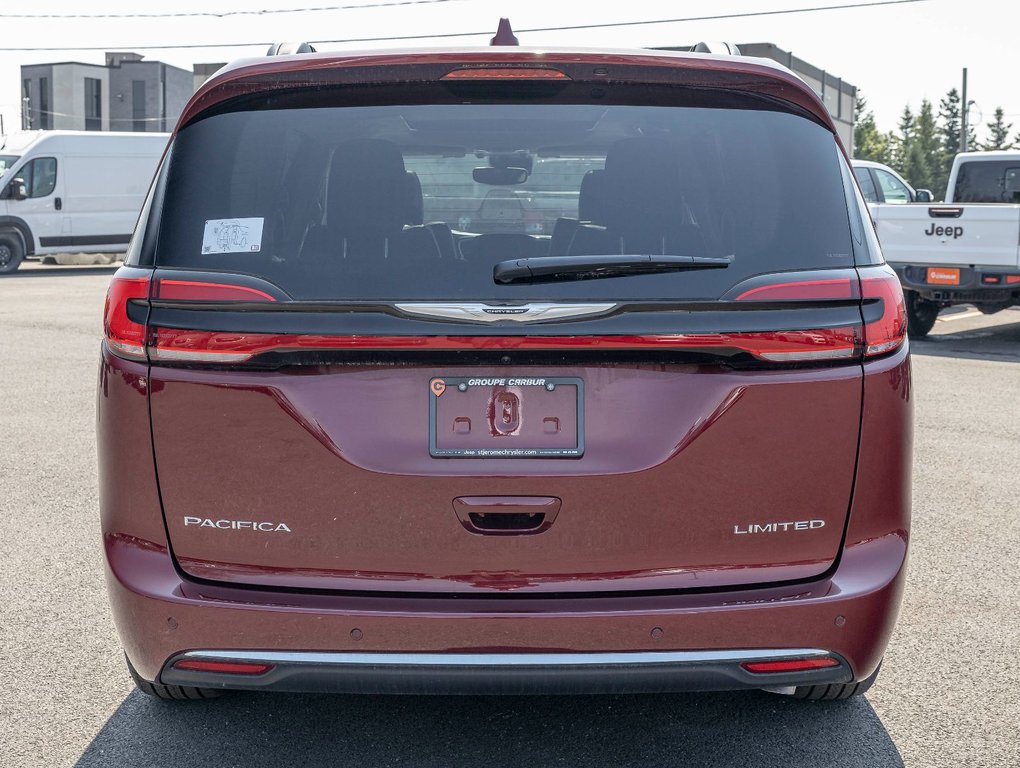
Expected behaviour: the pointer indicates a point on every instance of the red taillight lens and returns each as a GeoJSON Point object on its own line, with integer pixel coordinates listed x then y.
{"type": "Point", "coordinates": [174, 345]}
{"type": "Point", "coordinates": [835, 288]}
{"type": "Point", "coordinates": [888, 332]}
{"type": "Point", "coordinates": [815, 345]}
{"type": "Point", "coordinates": [789, 665]}
{"type": "Point", "coordinates": [821, 344]}
{"type": "Point", "coordinates": [880, 336]}
{"type": "Point", "coordinates": [124, 336]}
{"type": "Point", "coordinates": [223, 667]}
{"type": "Point", "coordinates": [193, 290]}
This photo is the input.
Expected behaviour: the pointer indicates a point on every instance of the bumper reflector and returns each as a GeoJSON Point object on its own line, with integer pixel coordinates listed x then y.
{"type": "Point", "coordinates": [789, 665]}
{"type": "Point", "coordinates": [223, 667]}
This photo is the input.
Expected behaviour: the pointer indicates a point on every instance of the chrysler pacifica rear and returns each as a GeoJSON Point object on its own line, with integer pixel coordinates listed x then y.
{"type": "Point", "coordinates": [505, 371]}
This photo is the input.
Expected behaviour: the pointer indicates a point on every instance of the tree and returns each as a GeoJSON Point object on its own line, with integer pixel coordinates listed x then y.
{"type": "Point", "coordinates": [998, 132]}
{"type": "Point", "coordinates": [899, 143]}
{"type": "Point", "coordinates": [949, 117]}
{"type": "Point", "coordinates": [869, 142]}
{"type": "Point", "coordinates": [950, 122]}
{"type": "Point", "coordinates": [922, 151]}
{"type": "Point", "coordinates": [924, 157]}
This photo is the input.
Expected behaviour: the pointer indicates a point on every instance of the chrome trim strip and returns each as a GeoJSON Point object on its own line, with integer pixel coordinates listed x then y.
{"type": "Point", "coordinates": [483, 660]}
{"type": "Point", "coordinates": [493, 313]}
{"type": "Point", "coordinates": [811, 354]}
{"type": "Point", "coordinates": [161, 355]}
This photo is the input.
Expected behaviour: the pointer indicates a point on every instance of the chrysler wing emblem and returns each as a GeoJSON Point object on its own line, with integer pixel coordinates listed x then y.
{"type": "Point", "coordinates": [491, 313]}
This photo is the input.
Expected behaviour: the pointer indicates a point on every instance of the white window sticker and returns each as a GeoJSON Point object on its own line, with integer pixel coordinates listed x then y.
{"type": "Point", "coordinates": [232, 236]}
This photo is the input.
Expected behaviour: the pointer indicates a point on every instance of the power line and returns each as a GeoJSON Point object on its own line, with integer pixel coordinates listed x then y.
{"type": "Point", "coordinates": [716, 17]}
{"type": "Point", "coordinates": [488, 32]}
{"type": "Point", "coordinates": [219, 14]}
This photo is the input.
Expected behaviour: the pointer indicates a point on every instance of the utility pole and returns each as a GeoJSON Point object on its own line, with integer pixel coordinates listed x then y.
{"type": "Point", "coordinates": [963, 114]}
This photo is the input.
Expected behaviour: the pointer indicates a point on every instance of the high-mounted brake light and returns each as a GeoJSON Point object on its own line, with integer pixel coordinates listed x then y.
{"type": "Point", "coordinates": [890, 330]}
{"type": "Point", "coordinates": [223, 667]}
{"type": "Point", "coordinates": [505, 73]}
{"type": "Point", "coordinates": [789, 665]}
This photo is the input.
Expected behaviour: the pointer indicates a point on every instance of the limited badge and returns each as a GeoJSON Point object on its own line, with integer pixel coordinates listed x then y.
{"type": "Point", "coordinates": [438, 387]}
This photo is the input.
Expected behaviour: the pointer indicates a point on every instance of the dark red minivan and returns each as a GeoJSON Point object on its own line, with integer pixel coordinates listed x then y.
{"type": "Point", "coordinates": [502, 371]}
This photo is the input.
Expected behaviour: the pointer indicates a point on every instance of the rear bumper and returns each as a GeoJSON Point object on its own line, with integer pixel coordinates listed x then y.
{"type": "Point", "coordinates": [505, 673]}
{"type": "Point", "coordinates": [567, 644]}
{"type": "Point", "coordinates": [974, 286]}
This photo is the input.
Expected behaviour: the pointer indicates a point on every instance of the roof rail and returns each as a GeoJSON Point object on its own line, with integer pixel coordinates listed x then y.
{"type": "Point", "coordinates": [285, 49]}
{"type": "Point", "coordinates": [726, 49]}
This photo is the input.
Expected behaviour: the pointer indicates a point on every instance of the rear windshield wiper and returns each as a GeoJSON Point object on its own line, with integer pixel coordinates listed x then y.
{"type": "Point", "coordinates": [547, 269]}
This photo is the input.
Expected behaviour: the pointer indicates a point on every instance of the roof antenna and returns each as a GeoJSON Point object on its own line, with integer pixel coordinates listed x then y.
{"type": "Point", "coordinates": [504, 34]}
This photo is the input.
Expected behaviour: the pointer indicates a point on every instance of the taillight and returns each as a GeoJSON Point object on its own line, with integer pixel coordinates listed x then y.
{"type": "Point", "coordinates": [196, 290]}
{"type": "Point", "coordinates": [881, 336]}
{"type": "Point", "coordinates": [814, 345]}
{"type": "Point", "coordinates": [833, 288]}
{"type": "Point", "coordinates": [789, 665]}
{"type": "Point", "coordinates": [174, 345]}
{"type": "Point", "coordinates": [127, 338]}
{"type": "Point", "coordinates": [890, 330]}
{"type": "Point", "coordinates": [822, 344]}
{"type": "Point", "coordinates": [124, 336]}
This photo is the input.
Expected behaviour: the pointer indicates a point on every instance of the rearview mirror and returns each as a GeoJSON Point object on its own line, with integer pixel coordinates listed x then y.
{"type": "Point", "coordinates": [16, 189]}
{"type": "Point", "coordinates": [500, 177]}
{"type": "Point", "coordinates": [923, 196]}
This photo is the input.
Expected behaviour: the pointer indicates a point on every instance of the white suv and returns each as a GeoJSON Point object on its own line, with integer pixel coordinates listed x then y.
{"type": "Point", "coordinates": [881, 184]}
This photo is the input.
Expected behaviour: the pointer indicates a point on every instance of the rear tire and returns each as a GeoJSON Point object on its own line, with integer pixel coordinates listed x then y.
{"type": "Point", "coordinates": [11, 253]}
{"type": "Point", "coordinates": [921, 315]}
{"type": "Point", "coordinates": [171, 692]}
{"type": "Point", "coordinates": [837, 691]}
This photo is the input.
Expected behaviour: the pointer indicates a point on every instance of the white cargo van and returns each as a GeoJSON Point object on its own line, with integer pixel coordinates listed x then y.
{"type": "Point", "coordinates": [75, 191]}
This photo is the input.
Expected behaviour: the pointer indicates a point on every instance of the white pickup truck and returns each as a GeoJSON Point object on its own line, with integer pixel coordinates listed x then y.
{"type": "Point", "coordinates": [963, 251]}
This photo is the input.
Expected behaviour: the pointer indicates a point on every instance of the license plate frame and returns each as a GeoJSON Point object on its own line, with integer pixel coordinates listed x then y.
{"type": "Point", "coordinates": [508, 445]}
{"type": "Point", "coordinates": [943, 275]}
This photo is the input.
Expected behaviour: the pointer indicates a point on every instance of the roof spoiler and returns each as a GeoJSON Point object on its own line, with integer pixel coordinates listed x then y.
{"type": "Point", "coordinates": [285, 49]}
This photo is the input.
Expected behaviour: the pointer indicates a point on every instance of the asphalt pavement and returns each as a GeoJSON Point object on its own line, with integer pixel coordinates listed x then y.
{"type": "Point", "coordinates": [948, 695]}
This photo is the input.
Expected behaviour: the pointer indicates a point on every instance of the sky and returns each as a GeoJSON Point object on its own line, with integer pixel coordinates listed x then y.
{"type": "Point", "coordinates": [895, 54]}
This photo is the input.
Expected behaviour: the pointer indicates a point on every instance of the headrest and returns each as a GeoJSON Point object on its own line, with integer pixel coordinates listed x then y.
{"type": "Point", "coordinates": [642, 184]}
{"type": "Point", "coordinates": [591, 202]}
{"type": "Point", "coordinates": [367, 186]}
{"type": "Point", "coordinates": [415, 212]}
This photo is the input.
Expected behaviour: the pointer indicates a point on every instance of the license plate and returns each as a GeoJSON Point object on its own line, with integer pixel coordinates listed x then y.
{"type": "Point", "coordinates": [943, 276]}
{"type": "Point", "coordinates": [509, 417]}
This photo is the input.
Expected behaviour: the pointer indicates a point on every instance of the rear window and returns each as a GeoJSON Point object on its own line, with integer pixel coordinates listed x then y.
{"type": "Point", "coordinates": [988, 181]}
{"type": "Point", "coordinates": [422, 201]}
